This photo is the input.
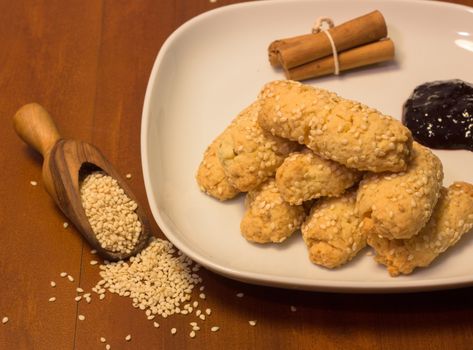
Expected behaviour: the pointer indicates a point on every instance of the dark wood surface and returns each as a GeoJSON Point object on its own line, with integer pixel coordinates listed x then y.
{"type": "Point", "coordinates": [88, 62]}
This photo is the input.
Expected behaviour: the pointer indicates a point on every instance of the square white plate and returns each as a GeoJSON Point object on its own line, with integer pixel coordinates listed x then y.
{"type": "Point", "coordinates": [214, 65]}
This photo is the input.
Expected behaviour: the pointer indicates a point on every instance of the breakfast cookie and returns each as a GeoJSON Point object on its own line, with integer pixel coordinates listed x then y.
{"type": "Point", "coordinates": [268, 218]}
{"type": "Point", "coordinates": [452, 217]}
{"type": "Point", "coordinates": [249, 155]}
{"type": "Point", "coordinates": [304, 176]}
{"type": "Point", "coordinates": [397, 206]}
{"type": "Point", "coordinates": [335, 128]}
{"type": "Point", "coordinates": [331, 231]}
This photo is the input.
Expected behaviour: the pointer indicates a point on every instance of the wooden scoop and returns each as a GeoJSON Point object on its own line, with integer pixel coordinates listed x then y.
{"type": "Point", "coordinates": [65, 165]}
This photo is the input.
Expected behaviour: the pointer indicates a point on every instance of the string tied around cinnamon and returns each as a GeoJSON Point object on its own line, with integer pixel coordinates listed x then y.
{"type": "Point", "coordinates": [318, 27]}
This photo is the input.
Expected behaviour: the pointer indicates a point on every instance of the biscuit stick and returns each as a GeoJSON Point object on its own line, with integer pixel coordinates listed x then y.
{"type": "Point", "coordinates": [331, 231]}
{"type": "Point", "coordinates": [335, 128]}
{"type": "Point", "coordinates": [452, 218]}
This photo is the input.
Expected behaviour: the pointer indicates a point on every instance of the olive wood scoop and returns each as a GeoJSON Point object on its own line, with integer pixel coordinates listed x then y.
{"type": "Point", "coordinates": [65, 164]}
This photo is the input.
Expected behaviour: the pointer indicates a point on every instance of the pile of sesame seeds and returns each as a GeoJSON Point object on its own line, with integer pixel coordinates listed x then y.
{"type": "Point", "coordinates": [111, 213]}
{"type": "Point", "coordinates": [157, 280]}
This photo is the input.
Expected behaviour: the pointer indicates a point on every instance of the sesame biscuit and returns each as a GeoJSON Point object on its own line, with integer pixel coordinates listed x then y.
{"type": "Point", "coordinates": [304, 176]}
{"type": "Point", "coordinates": [452, 218]}
{"type": "Point", "coordinates": [211, 177]}
{"type": "Point", "coordinates": [249, 155]}
{"type": "Point", "coordinates": [331, 231]}
{"type": "Point", "coordinates": [268, 217]}
{"type": "Point", "coordinates": [335, 128]}
{"type": "Point", "coordinates": [397, 206]}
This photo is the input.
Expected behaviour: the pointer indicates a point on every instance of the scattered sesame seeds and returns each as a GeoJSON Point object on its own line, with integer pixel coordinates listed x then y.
{"type": "Point", "coordinates": [52, 299]}
{"type": "Point", "coordinates": [81, 317]}
{"type": "Point", "coordinates": [146, 278]}
{"type": "Point", "coordinates": [252, 323]}
{"type": "Point", "coordinates": [173, 331]}
{"type": "Point", "coordinates": [240, 295]}
{"type": "Point", "coordinates": [215, 328]}
{"type": "Point", "coordinates": [33, 183]}
{"type": "Point", "coordinates": [52, 284]}
{"type": "Point", "coordinates": [4, 319]}
{"type": "Point", "coordinates": [128, 337]}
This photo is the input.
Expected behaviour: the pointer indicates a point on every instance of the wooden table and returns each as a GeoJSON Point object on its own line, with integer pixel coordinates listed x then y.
{"type": "Point", "coordinates": [88, 62]}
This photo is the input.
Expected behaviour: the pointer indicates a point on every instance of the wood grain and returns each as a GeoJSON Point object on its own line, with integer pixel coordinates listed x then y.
{"type": "Point", "coordinates": [88, 62]}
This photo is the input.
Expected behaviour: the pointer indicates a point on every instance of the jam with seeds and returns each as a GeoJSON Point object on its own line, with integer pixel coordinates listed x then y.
{"type": "Point", "coordinates": [440, 114]}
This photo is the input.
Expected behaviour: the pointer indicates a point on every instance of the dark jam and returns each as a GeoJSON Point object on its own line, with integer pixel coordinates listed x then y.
{"type": "Point", "coordinates": [440, 114]}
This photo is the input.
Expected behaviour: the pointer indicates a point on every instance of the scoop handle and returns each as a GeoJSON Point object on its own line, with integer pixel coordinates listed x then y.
{"type": "Point", "coordinates": [35, 126]}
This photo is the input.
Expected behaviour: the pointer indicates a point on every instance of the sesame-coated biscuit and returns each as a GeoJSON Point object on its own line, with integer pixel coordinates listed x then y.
{"type": "Point", "coordinates": [335, 128]}
{"type": "Point", "coordinates": [331, 231]}
{"type": "Point", "coordinates": [211, 177]}
{"type": "Point", "coordinates": [397, 206]}
{"type": "Point", "coordinates": [304, 176]}
{"type": "Point", "coordinates": [452, 217]}
{"type": "Point", "coordinates": [249, 154]}
{"type": "Point", "coordinates": [268, 217]}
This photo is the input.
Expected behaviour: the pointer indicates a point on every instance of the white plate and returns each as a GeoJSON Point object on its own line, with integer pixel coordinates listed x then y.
{"type": "Point", "coordinates": [214, 65]}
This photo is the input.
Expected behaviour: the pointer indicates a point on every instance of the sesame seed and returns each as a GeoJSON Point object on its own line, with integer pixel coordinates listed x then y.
{"type": "Point", "coordinates": [240, 295]}
{"type": "Point", "coordinates": [252, 323]}
{"type": "Point", "coordinates": [102, 296]}
{"type": "Point", "coordinates": [103, 340]}
{"type": "Point", "coordinates": [195, 304]}
{"type": "Point", "coordinates": [79, 290]}
{"type": "Point", "coordinates": [33, 183]}
{"type": "Point", "coordinates": [214, 328]}
{"type": "Point", "coordinates": [156, 324]}
{"type": "Point", "coordinates": [81, 317]}
{"type": "Point", "coordinates": [4, 319]}
{"type": "Point", "coordinates": [192, 334]}
{"type": "Point", "coordinates": [173, 331]}
{"type": "Point", "coordinates": [293, 308]}
{"type": "Point", "coordinates": [128, 176]}
{"type": "Point", "coordinates": [93, 251]}
{"type": "Point", "coordinates": [70, 278]}
{"type": "Point", "coordinates": [78, 298]}
{"type": "Point", "coordinates": [63, 274]}
{"type": "Point", "coordinates": [52, 299]}
{"type": "Point", "coordinates": [108, 347]}
{"type": "Point", "coordinates": [202, 296]}
{"type": "Point", "coordinates": [202, 288]}
{"type": "Point", "coordinates": [202, 317]}
{"type": "Point", "coordinates": [128, 337]}
{"type": "Point", "coordinates": [93, 262]}
{"type": "Point", "coordinates": [52, 284]}
{"type": "Point", "coordinates": [208, 311]}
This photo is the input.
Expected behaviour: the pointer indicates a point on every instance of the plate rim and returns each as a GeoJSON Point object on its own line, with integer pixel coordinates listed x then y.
{"type": "Point", "coordinates": [264, 279]}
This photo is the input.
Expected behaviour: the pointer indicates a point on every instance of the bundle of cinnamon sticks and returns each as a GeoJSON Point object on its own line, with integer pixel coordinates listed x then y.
{"type": "Point", "coordinates": [359, 42]}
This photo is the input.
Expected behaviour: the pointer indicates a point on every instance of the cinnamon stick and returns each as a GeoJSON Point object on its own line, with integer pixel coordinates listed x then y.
{"type": "Point", "coordinates": [358, 31]}
{"type": "Point", "coordinates": [376, 52]}
{"type": "Point", "coordinates": [273, 49]}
